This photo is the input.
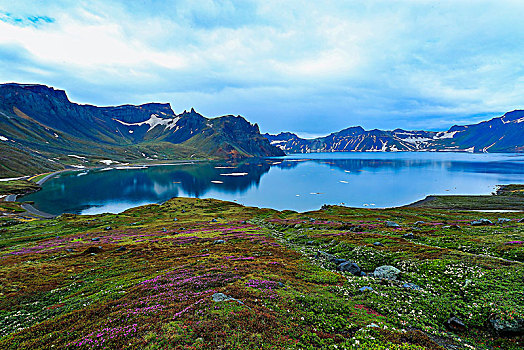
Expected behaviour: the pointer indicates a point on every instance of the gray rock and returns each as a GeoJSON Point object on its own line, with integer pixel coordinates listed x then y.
{"type": "Point", "coordinates": [503, 220]}
{"type": "Point", "coordinates": [419, 223]}
{"type": "Point", "coordinates": [108, 228]}
{"type": "Point", "coordinates": [366, 289]}
{"type": "Point", "coordinates": [378, 244]}
{"type": "Point", "coordinates": [120, 249]}
{"type": "Point", "coordinates": [350, 267]}
{"type": "Point", "coordinates": [96, 239]}
{"type": "Point", "coordinates": [218, 297]}
{"type": "Point", "coordinates": [392, 224]}
{"type": "Point", "coordinates": [521, 221]}
{"type": "Point", "coordinates": [323, 255]}
{"type": "Point", "coordinates": [455, 324]}
{"type": "Point", "coordinates": [481, 222]}
{"type": "Point", "coordinates": [408, 236]}
{"type": "Point", "coordinates": [411, 286]}
{"type": "Point", "coordinates": [508, 327]}
{"type": "Point", "coordinates": [339, 261]}
{"type": "Point", "coordinates": [219, 241]}
{"type": "Point", "coordinates": [386, 272]}
{"type": "Point", "coordinates": [175, 219]}
{"type": "Point", "coordinates": [214, 220]}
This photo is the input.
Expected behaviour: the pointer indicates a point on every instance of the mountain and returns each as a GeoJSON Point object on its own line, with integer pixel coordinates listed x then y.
{"type": "Point", "coordinates": [38, 124]}
{"type": "Point", "coordinates": [502, 134]}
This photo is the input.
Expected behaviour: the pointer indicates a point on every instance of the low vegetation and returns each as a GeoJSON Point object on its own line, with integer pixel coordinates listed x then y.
{"type": "Point", "coordinates": [207, 274]}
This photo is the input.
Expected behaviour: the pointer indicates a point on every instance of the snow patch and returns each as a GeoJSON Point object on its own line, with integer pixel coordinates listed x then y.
{"type": "Point", "coordinates": [446, 135]}
{"type": "Point", "coordinates": [153, 122]}
{"type": "Point", "coordinates": [3, 138]}
{"type": "Point", "coordinates": [75, 156]}
{"type": "Point", "coordinates": [234, 174]}
{"type": "Point", "coordinates": [107, 161]}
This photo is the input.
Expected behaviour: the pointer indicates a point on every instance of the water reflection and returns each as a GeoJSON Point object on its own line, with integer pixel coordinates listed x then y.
{"type": "Point", "coordinates": [299, 182]}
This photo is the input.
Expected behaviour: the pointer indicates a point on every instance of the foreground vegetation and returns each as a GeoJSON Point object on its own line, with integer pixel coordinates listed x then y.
{"type": "Point", "coordinates": [151, 278]}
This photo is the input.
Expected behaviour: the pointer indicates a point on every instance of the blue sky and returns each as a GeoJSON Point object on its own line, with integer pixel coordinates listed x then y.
{"type": "Point", "coordinates": [310, 67]}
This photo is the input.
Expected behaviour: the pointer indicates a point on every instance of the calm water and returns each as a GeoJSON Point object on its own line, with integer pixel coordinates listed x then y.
{"type": "Point", "coordinates": [298, 182]}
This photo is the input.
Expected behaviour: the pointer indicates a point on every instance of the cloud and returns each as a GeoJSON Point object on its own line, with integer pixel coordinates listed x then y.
{"type": "Point", "coordinates": [311, 67]}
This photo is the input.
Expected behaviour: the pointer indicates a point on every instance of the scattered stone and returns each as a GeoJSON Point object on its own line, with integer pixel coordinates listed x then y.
{"type": "Point", "coordinates": [108, 228]}
{"type": "Point", "coordinates": [411, 286]}
{"type": "Point", "coordinates": [218, 297]}
{"type": "Point", "coordinates": [219, 241]}
{"type": "Point", "coordinates": [481, 222]}
{"type": "Point", "coordinates": [323, 255]}
{"type": "Point", "coordinates": [455, 324]}
{"type": "Point", "coordinates": [392, 224]}
{"type": "Point", "coordinates": [378, 244]}
{"type": "Point", "coordinates": [386, 272]}
{"type": "Point", "coordinates": [366, 289]}
{"type": "Point", "coordinates": [408, 235]}
{"type": "Point", "coordinates": [120, 249]}
{"type": "Point", "coordinates": [96, 239]}
{"type": "Point", "coordinates": [503, 220]}
{"type": "Point", "coordinates": [350, 267]}
{"type": "Point", "coordinates": [508, 327]}
{"type": "Point", "coordinates": [93, 250]}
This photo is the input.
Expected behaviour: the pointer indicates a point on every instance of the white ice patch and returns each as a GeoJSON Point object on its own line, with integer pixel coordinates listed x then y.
{"type": "Point", "coordinates": [234, 174]}
{"type": "Point", "coordinates": [75, 156]}
{"type": "Point", "coordinates": [445, 135]}
{"type": "Point", "coordinates": [153, 121]}
{"type": "Point", "coordinates": [277, 141]}
{"type": "Point", "coordinates": [107, 161]}
{"type": "Point", "coordinates": [130, 131]}
{"type": "Point", "coordinates": [3, 138]}
{"type": "Point", "coordinates": [55, 134]}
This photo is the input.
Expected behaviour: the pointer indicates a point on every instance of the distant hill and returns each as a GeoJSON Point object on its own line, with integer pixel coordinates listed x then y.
{"type": "Point", "coordinates": [502, 134]}
{"type": "Point", "coordinates": [40, 127]}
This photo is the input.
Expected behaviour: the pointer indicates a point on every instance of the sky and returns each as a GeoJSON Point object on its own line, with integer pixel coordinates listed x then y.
{"type": "Point", "coordinates": [310, 67]}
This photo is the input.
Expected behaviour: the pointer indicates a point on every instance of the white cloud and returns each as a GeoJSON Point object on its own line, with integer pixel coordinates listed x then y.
{"type": "Point", "coordinates": [308, 66]}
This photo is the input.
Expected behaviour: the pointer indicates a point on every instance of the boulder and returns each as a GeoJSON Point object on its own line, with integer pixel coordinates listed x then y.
{"type": "Point", "coordinates": [392, 224]}
{"type": "Point", "coordinates": [218, 297]}
{"type": "Point", "coordinates": [508, 327]}
{"type": "Point", "coordinates": [386, 272]}
{"type": "Point", "coordinates": [350, 267]}
{"type": "Point", "coordinates": [419, 223]}
{"type": "Point", "coordinates": [108, 228]}
{"type": "Point", "coordinates": [378, 244]}
{"type": "Point", "coordinates": [366, 289]}
{"type": "Point", "coordinates": [481, 222]}
{"type": "Point", "coordinates": [411, 286]}
{"type": "Point", "coordinates": [455, 324]}
{"type": "Point", "coordinates": [96, 239]}
{"type": "Point", "coordinates": [219, 241]}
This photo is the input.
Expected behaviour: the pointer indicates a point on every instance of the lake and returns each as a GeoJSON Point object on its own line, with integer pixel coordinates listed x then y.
{"type": "Point", "coordinates": [297, 182]}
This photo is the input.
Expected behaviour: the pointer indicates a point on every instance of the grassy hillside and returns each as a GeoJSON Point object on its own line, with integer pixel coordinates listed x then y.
{"type": "Point", "coordinates": [149, 278]}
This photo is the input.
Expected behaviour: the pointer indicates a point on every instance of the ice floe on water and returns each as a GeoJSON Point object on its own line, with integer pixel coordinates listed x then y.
{"type": "Point", "coordinates": [234, 174]}
{"type": "Point", "coordinates": [217, 182]}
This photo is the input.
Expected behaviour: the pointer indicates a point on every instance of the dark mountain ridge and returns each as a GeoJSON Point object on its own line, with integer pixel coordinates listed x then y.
{"type": "Point", "coordinates": [42, 122]}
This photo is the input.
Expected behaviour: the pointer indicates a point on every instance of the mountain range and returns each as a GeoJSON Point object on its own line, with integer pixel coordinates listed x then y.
{"type": "Point", "coordinates": [40, 129]}
{"type": "Point", "coordinates": [502, 134]}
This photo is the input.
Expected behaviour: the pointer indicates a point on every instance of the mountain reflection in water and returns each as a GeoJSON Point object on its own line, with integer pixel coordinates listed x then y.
{"type": "Point", "coordinates": [299, 182]}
